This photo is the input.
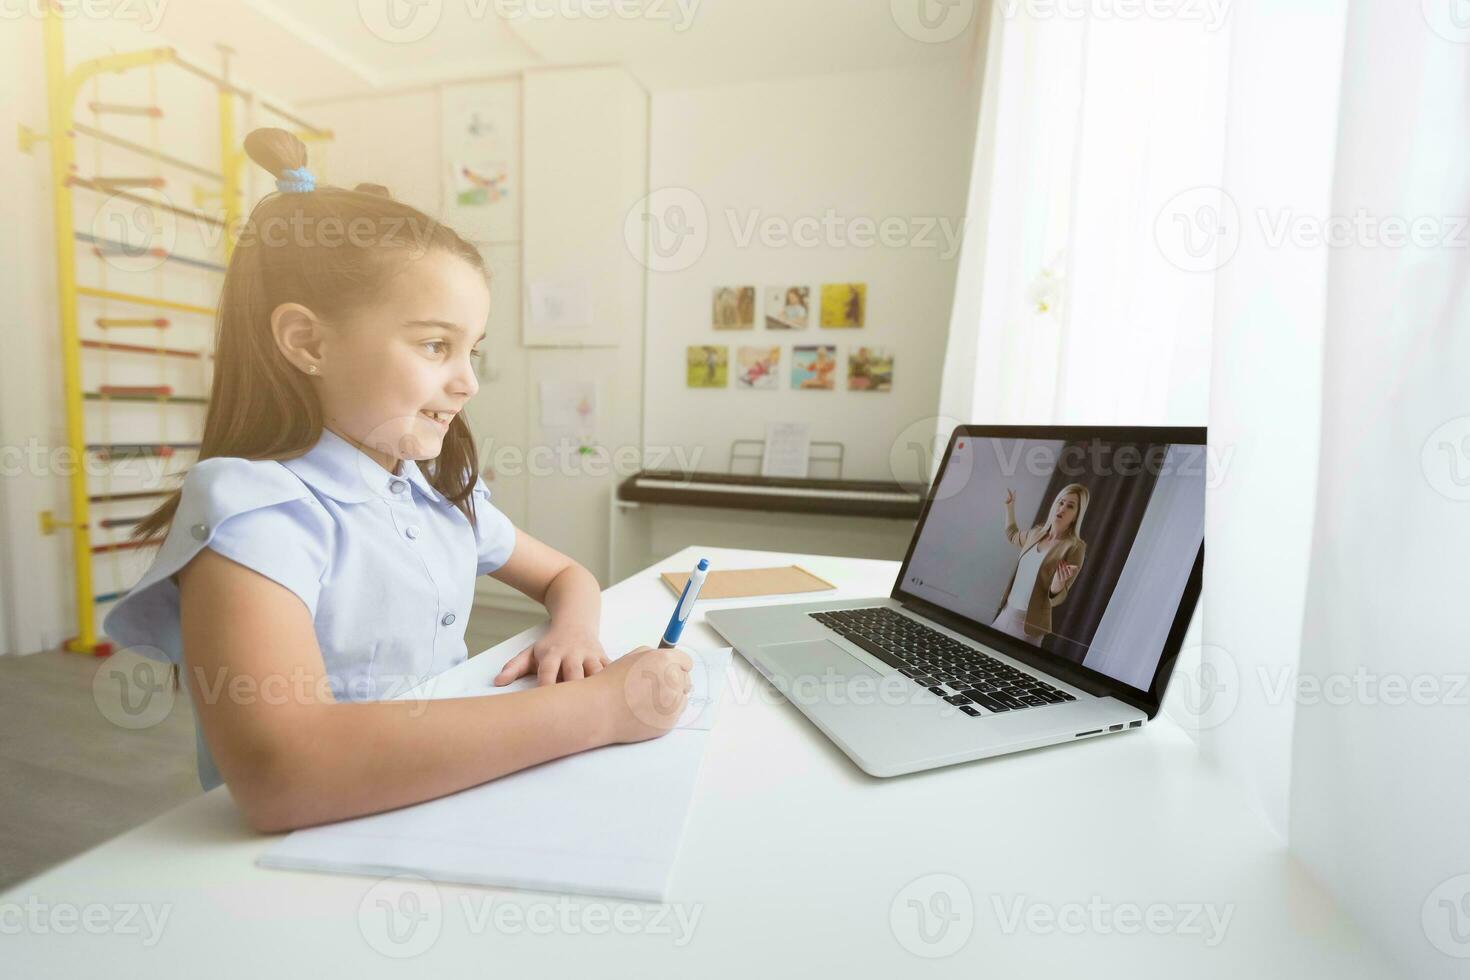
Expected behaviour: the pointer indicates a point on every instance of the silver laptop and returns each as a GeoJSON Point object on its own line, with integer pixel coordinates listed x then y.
{"type": "Point", "coordinates": [1044, 597]}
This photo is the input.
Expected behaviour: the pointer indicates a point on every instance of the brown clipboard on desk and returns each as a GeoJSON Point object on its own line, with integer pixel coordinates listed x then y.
{"type": "Point", "coordinates": [743, 583]}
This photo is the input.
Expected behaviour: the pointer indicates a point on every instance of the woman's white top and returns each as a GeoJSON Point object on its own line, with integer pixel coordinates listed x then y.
{"type": "Point", "coordinates": [1030, 564]}
{"type": "Point", "coordinates": [385, 564]}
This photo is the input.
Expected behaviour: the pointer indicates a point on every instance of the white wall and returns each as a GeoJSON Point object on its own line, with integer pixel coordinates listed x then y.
{"type": "Point", "coordinates": [870, 146]}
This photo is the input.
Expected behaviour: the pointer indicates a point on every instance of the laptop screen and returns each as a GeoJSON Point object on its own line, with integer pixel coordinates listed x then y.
{"type": "Point", "coordinates": [1081, 548]}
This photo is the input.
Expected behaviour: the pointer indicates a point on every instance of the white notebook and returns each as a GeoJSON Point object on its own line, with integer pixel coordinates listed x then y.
{"type": "Point", "coordinates": [575, 824]}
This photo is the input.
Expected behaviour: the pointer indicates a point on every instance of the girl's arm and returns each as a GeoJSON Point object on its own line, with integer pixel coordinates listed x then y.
{"type": "Point", "coordinates": [569, 649]}
{"type": "Point", "coordinates": [293, 756]}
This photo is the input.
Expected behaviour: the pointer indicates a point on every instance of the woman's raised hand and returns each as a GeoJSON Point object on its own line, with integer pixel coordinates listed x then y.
{"type": "Point", "coordinates": [1010, 496]}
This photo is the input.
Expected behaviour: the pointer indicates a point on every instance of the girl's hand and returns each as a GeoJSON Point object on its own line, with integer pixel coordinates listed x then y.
{"type": "Point", "coordinates": [1010, 496]}
{"type": "Point", "coordinates": [1062, 576]}
{"type": "Point", "coordinates": [646, 690]}
{"type": "Point", "coordinates": [565, 654]}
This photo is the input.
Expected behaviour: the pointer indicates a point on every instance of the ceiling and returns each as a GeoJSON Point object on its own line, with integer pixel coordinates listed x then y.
{"type": "Point", "coordinates": [317, 50]}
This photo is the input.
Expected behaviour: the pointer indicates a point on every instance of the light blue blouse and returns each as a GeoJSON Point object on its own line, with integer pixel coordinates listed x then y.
{"type": "Point", "coordinates": [385, 564]}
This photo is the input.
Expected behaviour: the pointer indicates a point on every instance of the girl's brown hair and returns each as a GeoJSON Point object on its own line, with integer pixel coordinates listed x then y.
{"type": "Point", "coordinates": [329, 249]}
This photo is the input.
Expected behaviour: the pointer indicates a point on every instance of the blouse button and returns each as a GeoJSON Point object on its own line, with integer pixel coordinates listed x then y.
{"type": "Point", "coordinates": [412, 531]}
{"type": "Point", "coordinates": [199, 531]}
{"type": "Point", "coordinates": [398, 486]}
{"type": "Point", "coordinates": [448, 619]}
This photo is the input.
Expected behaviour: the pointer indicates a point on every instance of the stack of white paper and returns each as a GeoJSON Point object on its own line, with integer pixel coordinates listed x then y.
{"type": "Point", "coordinates": [604, 822]}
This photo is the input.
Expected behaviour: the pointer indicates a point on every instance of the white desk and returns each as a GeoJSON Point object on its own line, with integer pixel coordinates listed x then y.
{"type": "Point", "coordinates": [794, 861]}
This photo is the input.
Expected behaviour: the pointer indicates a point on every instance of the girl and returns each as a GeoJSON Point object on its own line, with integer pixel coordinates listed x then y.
{"type": "Point", "coordinates": [311, 568]}
{"type": "Point", "coordinates": [1051, 555]}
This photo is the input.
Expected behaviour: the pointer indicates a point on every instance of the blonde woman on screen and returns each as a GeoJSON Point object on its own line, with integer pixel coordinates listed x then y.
{"type": "Point", "coordinates": [1051, 556]}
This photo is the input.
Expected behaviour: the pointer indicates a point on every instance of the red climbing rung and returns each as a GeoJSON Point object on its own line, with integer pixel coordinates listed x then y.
{"type": "Point", "coordinates": [156, 253]}
{"type": "Point", "coordinates": [107, 322]}
{"type": "Point", "coordinates": [140, 349]}
{"type": "Point", "coordinates": [151, 111]}
{"type": "Point", "coordinates": [162, 390]}
{"type": "Point", "coordinates": [98, 549]}
{"type": "Point", "coordinates": [109, 183]}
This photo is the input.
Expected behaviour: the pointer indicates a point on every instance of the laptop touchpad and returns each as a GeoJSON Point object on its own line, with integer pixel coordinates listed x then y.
{"type": "Point", "coordinates": [814, 658]}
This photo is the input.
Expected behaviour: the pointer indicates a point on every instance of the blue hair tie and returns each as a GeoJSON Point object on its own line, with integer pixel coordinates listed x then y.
{"type": "Point", "coordinates": [297, 180]}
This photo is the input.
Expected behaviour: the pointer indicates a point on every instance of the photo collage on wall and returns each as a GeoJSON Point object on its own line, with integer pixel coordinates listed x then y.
{"type": "Point", "coordinates": [784, 308]}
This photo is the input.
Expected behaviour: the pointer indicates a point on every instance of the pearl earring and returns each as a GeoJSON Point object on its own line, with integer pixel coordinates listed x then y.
{"type": "Point", "coordinates": [311, 369]}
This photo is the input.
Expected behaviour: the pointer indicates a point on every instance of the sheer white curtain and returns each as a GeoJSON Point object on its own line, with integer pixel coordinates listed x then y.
{"type": "Point", "coordinates": [1380, 791]}
{"type": "Point", "coordinates": [1067, 309]}
{"type": "Point", "coordinates": [1302, 177]}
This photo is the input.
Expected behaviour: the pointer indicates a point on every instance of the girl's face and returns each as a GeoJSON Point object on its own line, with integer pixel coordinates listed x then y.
{"type": "Point", "coordinates": [1063, 513]}
{"type": "Point", "coordinates": [410, 353]}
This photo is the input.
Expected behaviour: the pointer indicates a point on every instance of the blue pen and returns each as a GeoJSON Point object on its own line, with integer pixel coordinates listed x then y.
{"type": "Point", "coordinates": [685, 606]}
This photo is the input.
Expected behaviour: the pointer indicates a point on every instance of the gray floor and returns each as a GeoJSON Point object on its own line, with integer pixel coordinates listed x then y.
{"type": "Point", "coordinates": [72, 779]}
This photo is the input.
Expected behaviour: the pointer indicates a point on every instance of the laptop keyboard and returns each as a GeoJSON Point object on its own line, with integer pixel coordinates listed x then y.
{"type": "Point", "coordinates": [961, 675]}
